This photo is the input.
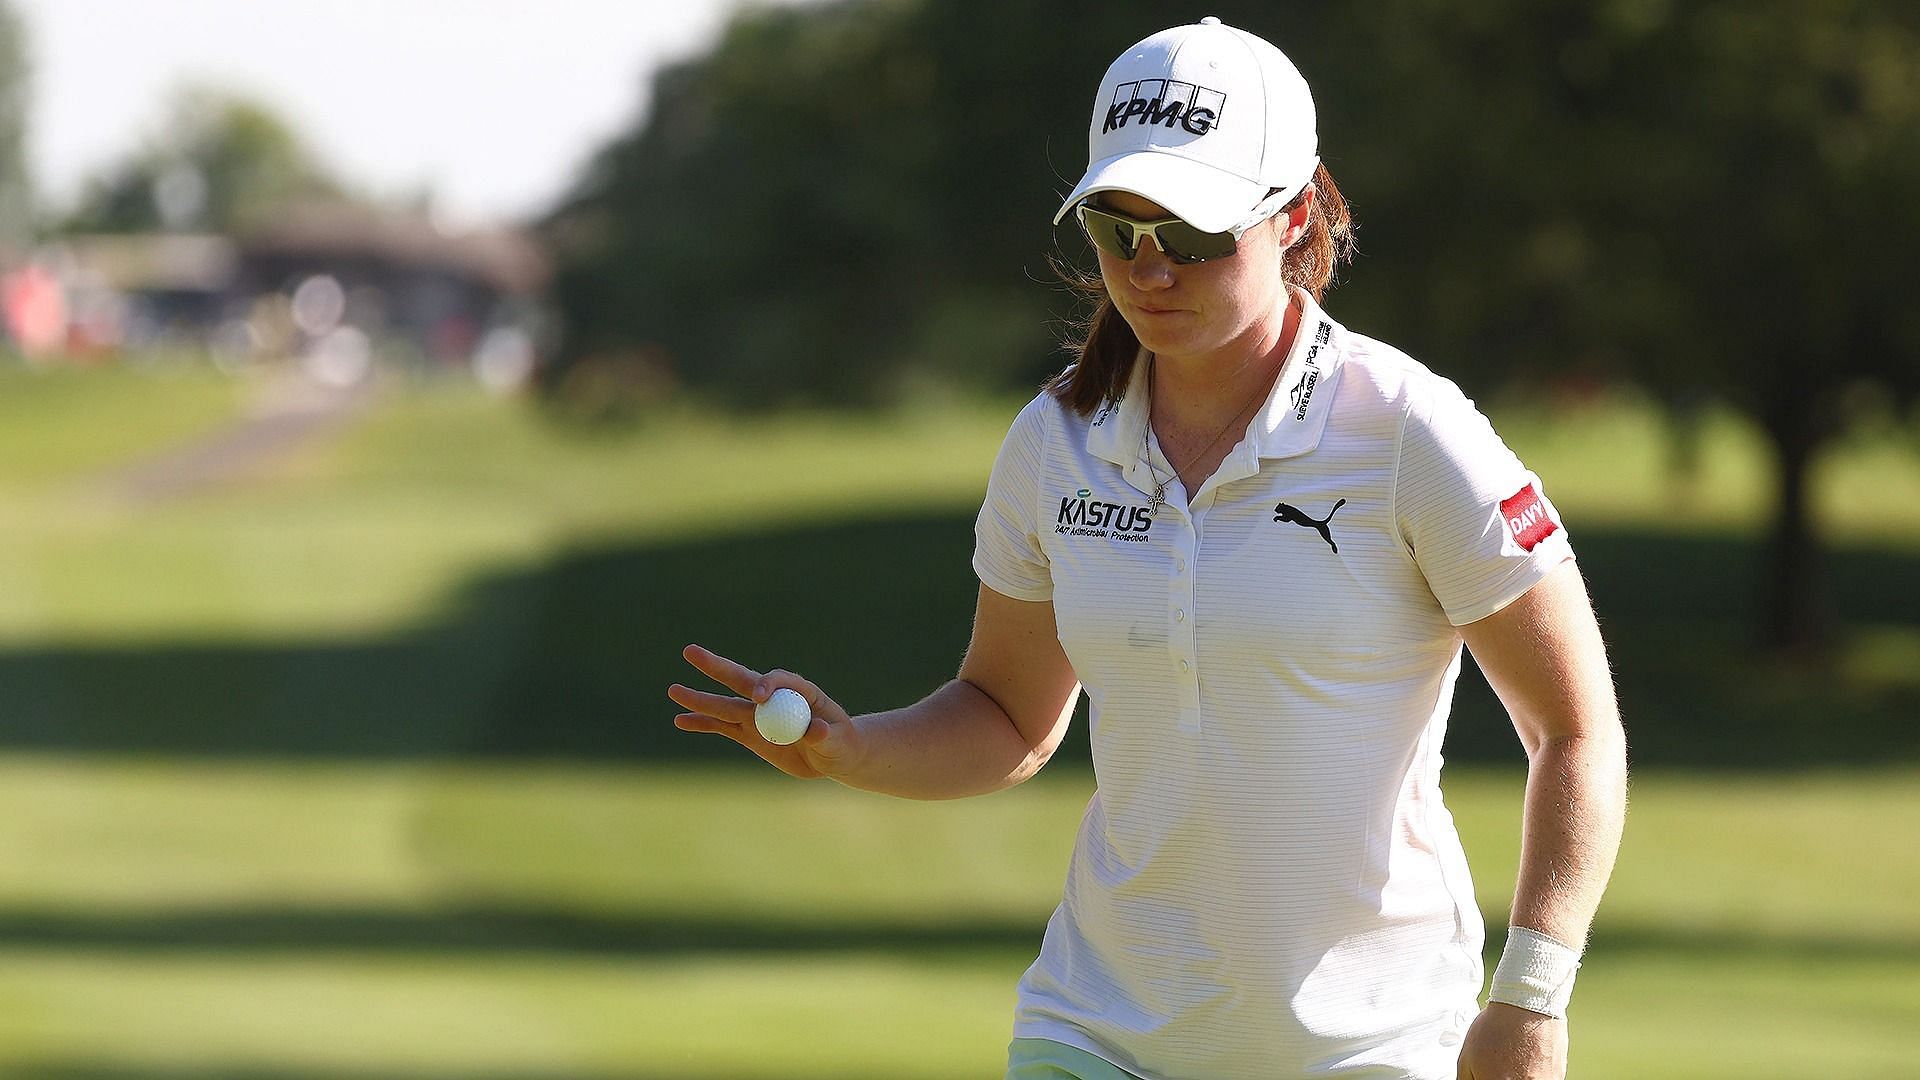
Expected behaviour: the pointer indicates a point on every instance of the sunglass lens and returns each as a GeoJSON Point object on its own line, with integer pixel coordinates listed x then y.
{"type": "Point", "coordinates": [1110, 234]}
{"type": "Point", "coordinates": [1184, 243]}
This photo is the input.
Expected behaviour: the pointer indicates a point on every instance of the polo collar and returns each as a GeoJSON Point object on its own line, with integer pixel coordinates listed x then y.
{"type": "Point", "coordinates": [1295, 415]}
{"type": "Point", "coordinates": [1289, 424]}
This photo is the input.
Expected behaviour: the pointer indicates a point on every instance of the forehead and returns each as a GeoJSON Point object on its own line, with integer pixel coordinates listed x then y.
{"type": "Point", "coordinates": [1133, 206]}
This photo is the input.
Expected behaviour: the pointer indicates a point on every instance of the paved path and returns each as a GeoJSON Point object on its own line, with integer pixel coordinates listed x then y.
{"type": "Point", "coordinates": [284, 415]}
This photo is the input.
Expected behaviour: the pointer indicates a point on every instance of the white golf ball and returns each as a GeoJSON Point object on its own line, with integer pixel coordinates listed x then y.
{"type": "Point", "coordinates": [782, 718]}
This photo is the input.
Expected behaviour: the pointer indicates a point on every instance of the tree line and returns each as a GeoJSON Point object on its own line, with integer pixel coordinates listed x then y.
{"type": "Point", "coordinates": [1713, 198]}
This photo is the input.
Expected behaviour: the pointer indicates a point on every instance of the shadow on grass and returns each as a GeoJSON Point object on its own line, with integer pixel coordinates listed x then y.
{"type": "Point", "coordinates": [475, 931]}
{"type": "Point", "coordinates": [571, 661]}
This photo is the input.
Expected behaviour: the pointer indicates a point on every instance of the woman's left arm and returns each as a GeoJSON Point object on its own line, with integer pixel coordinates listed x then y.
{"type": "Point", "coordinates": [1543, 656]}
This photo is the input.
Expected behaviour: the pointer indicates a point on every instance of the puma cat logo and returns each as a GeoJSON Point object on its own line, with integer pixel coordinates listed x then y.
{"type": "Point", "coordinates": [1285, 512]}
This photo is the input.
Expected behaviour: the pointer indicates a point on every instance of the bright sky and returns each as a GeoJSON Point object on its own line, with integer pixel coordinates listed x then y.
{"type": "Point", "coordinates": [494, 104]}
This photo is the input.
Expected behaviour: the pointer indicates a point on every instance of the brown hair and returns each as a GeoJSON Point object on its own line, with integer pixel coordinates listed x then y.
{"type": "Point", "coordinates": [1103, 344]}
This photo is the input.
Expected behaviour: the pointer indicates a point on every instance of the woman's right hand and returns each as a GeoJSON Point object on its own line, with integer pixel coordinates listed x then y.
{"type": "Point", "coordinates": [827, 747]}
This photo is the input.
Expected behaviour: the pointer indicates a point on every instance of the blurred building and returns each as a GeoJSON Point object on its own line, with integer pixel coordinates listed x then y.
{"type": "Point", "coordinates": [341, 287]}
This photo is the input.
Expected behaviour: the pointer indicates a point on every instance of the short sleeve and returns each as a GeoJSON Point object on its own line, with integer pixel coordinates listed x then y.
{"type": "Point", "coordinates": [1006, 549]}
{"type": "Point", "coordinates": [1476, 521]}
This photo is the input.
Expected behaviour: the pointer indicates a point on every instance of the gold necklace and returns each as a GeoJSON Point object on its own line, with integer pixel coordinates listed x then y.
{"type": "Point", "coordinates": [1159, 496]}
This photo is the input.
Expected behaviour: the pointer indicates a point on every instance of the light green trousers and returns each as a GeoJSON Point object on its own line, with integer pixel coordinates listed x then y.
{"type": "Point", "coordinates": [1044, 1059]}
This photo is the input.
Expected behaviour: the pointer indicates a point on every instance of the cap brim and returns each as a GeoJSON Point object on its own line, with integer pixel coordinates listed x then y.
{"type": "Point", "coordinates": [1209, 199]}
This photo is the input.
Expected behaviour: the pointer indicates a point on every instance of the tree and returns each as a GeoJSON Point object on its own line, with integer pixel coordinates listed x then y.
{"type": "Point", "coordinates": [16, 195]}
{"type": "Point", "coordinates": [839, 197]}
{"type": "Point", "coordinates": [1707, 198]}
{"type": "Point", "coordinates": [219, 162]}
{"type": "Point", "coordinates": [1778, 214]}
{"type": "Point", "coordinates": [736, 229]}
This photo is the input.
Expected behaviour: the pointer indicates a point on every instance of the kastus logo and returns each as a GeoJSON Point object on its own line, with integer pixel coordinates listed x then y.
{"type": "Point", "coordinates": [1301, 392]}
{"type": "Point", "coordinates": [1166, 103]}
{"type": "Point", "coordinates": [1526, 516]}
{"type": "Point", "coordinates": [1083, 515]}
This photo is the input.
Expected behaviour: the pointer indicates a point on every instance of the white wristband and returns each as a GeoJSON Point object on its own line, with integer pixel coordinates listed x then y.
{"type": "Point", "coordinates": [1535, 973]}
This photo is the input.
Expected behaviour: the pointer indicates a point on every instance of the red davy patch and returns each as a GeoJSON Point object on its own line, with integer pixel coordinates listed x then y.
{"type": "Point", "coordinates": [1526, 517]}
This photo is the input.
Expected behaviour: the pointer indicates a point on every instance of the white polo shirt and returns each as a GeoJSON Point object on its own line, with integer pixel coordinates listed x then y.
{"type": "Point", "coordinates": [1266, 882]}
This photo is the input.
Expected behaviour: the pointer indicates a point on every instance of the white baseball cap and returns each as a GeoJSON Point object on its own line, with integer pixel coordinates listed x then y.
{"type": "Point", "coordinates": [1204, 120]}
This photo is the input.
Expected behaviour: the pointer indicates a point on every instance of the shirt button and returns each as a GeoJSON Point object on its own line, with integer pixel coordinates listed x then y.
{"type": "Point", "coordinates": [1179, 615]}
{"type": "Point", "coordinates": [1184, 666]}
{"type": "Point", "coordinates": [1180, 565]}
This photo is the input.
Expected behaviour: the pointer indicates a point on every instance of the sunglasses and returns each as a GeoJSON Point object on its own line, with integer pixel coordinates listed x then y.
{"type": "Point", "coordinates": [1119, 235]}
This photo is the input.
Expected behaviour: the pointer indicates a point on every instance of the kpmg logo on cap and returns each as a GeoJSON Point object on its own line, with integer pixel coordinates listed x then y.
{"type": "Point", "coordinates": [1166, 103]}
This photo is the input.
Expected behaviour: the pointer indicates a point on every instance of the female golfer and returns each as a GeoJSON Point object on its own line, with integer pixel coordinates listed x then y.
{"type": "Point", "coordinates": [1258, 540]}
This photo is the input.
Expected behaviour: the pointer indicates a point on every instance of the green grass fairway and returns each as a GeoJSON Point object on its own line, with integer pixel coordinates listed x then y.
{"type": "Point", "coordinates": [63, 423]}
{"type": "Point", "coordinates": [360, 765]}
{"type": "Point", "coordinates": [236, 920]}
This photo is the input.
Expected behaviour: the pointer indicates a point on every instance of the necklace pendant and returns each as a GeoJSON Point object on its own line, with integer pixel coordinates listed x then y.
{"type": "Point", "coordinates": [1157, 500]}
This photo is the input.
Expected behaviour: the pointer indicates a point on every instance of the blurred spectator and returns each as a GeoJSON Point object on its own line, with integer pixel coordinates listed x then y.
{"type": "Point", "coordinates": [35, 310]}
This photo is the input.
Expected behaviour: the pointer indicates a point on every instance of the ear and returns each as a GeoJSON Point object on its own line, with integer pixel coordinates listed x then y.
{"type": "Point", "coordinates": [1293, 223]}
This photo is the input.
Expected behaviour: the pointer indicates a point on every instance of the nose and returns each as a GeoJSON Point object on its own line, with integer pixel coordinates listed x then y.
{"type": "Point", "coordinates": [1150, 268]}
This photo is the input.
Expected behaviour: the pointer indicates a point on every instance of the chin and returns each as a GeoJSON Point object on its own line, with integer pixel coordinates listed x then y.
{"type": "Point", "coordinates": [1154, 336]}
{"type": "Point", "coordinates": [1166, 344]}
